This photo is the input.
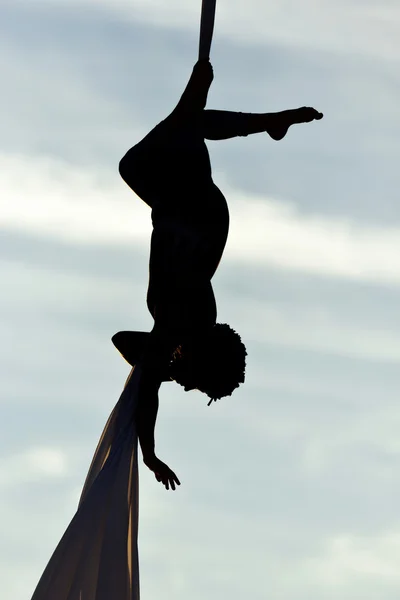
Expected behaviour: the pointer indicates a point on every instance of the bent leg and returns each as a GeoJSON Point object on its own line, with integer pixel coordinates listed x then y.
{"type": "Point", "coordinates": [194, 97]}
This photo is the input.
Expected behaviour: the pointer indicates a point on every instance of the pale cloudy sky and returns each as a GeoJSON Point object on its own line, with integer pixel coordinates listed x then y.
{"type": "Point", "coordinates": [290, 488]}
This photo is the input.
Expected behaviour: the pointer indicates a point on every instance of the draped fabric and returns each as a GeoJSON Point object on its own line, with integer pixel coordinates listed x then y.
{"type": "Point", "coordinates": [206, 27]}
{"type": "Point", "coordinates": [97, 557]}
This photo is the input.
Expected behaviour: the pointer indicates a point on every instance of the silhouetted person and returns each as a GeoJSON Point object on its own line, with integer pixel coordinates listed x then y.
{"type": "Point", "coordinates": [170, 170]}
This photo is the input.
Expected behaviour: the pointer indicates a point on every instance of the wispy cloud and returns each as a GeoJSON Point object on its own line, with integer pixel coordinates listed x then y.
{"type": "Point", "coordinates": [350, 558]}
{"type": "Point", "coordinates": [342, 27]}
{"type": "Point", "coordinates": [313, 432]}
{"type": "Point", "coordinates": [57, 200]}
{"type": "Point", "coordinates": [33, 464]}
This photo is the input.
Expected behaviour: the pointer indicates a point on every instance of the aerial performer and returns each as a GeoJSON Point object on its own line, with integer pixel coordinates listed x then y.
{"type": "Point", "coordinates": [170, 170]}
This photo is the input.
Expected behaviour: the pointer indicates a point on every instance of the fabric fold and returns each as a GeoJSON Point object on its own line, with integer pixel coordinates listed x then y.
{"type": "Point", "coordinates": [97, 557]}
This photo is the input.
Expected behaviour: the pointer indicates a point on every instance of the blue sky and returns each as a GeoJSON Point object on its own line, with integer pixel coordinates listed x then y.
{"type": "Point", "coordinates": [290, 487]}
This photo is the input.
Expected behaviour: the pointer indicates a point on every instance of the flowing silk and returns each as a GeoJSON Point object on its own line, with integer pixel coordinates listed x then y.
{"type": "Point", "coordinates": [206, 27]}
{"type": "Point", "coordinates": [97, 557]}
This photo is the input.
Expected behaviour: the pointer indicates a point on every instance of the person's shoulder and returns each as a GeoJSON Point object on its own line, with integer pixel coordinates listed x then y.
{"type": "Point", "coordinates": [158, 349]}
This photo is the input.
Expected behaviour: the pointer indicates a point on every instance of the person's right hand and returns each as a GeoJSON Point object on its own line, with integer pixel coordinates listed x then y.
{"type": "Point", "coordinates": [162, 472]}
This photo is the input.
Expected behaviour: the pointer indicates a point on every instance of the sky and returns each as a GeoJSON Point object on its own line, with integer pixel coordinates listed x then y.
{"type": "Point", "coordinates": [289, 488]}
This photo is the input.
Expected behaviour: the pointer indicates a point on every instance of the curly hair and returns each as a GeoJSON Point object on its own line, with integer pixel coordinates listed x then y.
{"type": "Point", "coordinates": [216, 363]}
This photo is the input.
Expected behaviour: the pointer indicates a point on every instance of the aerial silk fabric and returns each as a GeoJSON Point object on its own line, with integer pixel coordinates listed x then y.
{"type": "Point", "coordinates": [206, 27]}
{"type": "Point", "coordinates": [97, 557]}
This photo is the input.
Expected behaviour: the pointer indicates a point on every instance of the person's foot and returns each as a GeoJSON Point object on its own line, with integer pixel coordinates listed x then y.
{"type": "Point", "coordinates": [281, 121]}
{"type": "Point", "coordinates": [194, 98]}
{"type": "Point", "coordinates": [204, 72]}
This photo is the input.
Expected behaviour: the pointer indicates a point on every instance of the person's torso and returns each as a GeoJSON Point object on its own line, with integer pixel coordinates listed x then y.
{"type": "Point", "coordinates": [170, 171]}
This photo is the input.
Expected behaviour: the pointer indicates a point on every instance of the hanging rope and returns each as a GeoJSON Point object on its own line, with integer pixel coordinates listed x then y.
{"type": "Point", "coordinates": [206, 28]}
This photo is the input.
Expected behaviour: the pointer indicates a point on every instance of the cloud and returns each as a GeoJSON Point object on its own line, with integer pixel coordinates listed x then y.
{"type": "Point", "coordinates": [354, 558]}
{"type": "Point", "coordinates": [342, 27]}
{"type": "Point", "coordinates": [53, 199]}
{"type": "Point", "coordinates": [314, 328]}
{"type": "Point", "coordinates": [50, 198]}
{"type": "Point", "coordinates": [32, 465]}
{"type": "Point", "coordinates": [336, 247]}
{"type": "Point", "coordinates": [316, 420]}
{"type": "Point", "coordinates": [89, 111]}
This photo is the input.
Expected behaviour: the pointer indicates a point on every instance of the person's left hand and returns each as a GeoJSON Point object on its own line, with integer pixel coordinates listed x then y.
{"type": "Point", "coordinates": [162, 472]}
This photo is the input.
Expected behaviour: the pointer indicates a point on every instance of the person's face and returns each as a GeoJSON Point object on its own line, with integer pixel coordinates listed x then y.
{"type": "Point", "coordinates": [191, 377]}
{"type": "Point", "coordinates": [196, 343]}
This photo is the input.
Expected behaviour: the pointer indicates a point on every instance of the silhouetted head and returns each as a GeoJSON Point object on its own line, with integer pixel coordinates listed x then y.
{"type": "Point", "coordinates": [213, 362]}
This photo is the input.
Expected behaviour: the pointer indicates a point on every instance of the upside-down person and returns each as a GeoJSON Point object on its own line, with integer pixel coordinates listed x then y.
{"type": "Point", "coordinates": [170, 170]}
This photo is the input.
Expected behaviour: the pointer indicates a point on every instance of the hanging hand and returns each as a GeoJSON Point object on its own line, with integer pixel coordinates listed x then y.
{"type": "Point", "coordinates": [162, 472]}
